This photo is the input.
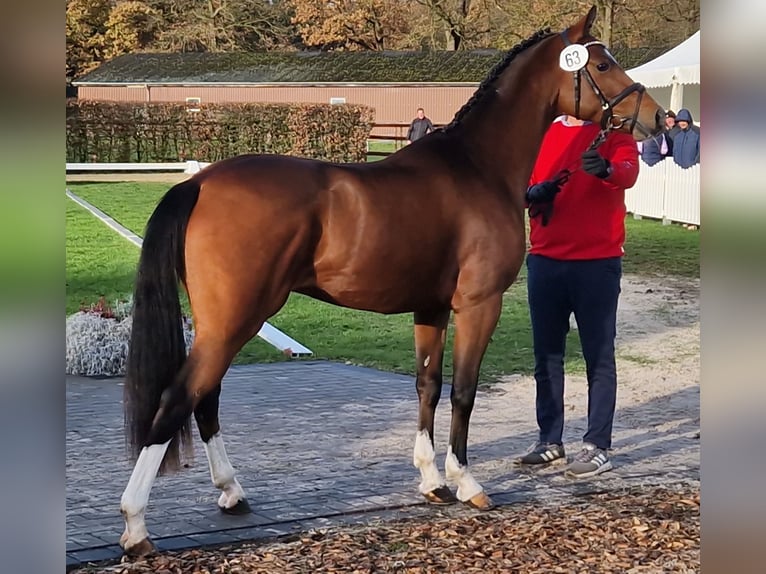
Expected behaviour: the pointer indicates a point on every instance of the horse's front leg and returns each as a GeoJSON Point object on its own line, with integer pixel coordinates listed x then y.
{"type": "Point", "coordinates": [232, 499]}
{"type": "Point", "coordinates": [474, 324]}
{"type": "Point", "coordinates": [430, 336]}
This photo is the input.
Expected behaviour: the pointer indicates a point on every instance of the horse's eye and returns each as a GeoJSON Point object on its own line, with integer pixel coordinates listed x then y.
{"type": "Point", "coordinates": [602, 66]}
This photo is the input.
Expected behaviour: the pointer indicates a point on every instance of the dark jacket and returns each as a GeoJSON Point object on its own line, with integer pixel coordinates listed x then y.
{"type": "Point", "coordinates": [651, 149]}
{"type": "Point", "coordinates": [686, 143]}
{"type": "Point", "coordinates": [419, 128]}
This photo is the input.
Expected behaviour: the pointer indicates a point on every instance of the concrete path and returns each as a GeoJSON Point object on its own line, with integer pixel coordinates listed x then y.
{"type": "Point", "coordinates": [319, 444]}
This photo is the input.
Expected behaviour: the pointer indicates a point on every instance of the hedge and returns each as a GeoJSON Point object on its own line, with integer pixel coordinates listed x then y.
{"type": "Point", "coordinates": [168, 132]}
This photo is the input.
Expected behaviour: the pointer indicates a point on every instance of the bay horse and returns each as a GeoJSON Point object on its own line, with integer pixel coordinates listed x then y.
{"type": "Point", "coordinates": [434, 229]}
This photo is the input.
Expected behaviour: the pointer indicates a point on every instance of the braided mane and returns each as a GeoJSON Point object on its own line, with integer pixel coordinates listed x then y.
{"type": "Point", "coordinates": [488, 83]}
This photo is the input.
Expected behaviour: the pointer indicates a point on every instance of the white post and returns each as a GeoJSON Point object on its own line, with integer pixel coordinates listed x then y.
{"type": "Point", "coordinates": [676, 94]}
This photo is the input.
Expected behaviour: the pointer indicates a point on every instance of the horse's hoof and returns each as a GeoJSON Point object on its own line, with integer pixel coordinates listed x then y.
{"type": "Point", "coordinates": [143, 548]}
{"type": "Point", "coordinates": [242, 507]}
{"type": "Point", "coordinates": [441, 496]}
{"type": "Point", "coordinates": [481, 502]}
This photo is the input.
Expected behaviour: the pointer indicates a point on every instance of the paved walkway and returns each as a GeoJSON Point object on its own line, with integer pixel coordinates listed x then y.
{"type": "Point", "coordinates": [319, 444]}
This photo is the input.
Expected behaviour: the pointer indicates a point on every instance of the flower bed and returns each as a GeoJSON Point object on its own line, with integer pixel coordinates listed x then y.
{"type": "Point", "coordinates": [97, 339]}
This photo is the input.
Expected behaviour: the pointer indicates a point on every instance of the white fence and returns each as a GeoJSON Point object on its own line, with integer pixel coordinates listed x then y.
{"type": "Point", "coordinates": [184, 166]}
{"type": "Point", "coordinates": [666, 191]}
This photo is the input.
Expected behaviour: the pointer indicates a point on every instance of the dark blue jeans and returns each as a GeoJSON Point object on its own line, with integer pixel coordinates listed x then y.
{"type": "Point", "coordinates": [590, 290]}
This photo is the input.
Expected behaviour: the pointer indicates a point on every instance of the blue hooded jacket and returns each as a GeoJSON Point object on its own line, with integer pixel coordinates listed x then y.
{"type": "Point", "coordinates": [651, 149]}
{"type": "Point", "coordinates": [686, 143]}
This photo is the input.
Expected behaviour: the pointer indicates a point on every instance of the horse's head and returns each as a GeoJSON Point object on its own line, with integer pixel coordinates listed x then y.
{"type": "Point", "coordinates": [594, 87]}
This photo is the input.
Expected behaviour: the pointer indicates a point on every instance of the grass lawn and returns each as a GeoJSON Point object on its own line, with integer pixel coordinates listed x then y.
{"type": "Point", "coordinates": [382, 145]}
{"type": "Point", "coordinates": [655, 249]}
{"type": "Point", "coordinates": [98, 261]}
{"type": "Point", "coordinates": [101, 263]}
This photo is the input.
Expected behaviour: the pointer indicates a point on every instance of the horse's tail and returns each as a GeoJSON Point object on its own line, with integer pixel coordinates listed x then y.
{"type": "Point", "coordinates": [157, 351]}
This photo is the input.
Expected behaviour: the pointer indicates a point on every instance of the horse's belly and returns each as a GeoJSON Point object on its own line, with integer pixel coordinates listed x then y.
{"type": "Point", "coordinates": [381, 292]}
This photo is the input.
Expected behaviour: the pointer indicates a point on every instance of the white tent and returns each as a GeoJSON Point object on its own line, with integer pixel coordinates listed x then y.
{"type": "Point", "coordinates": [666, 76]}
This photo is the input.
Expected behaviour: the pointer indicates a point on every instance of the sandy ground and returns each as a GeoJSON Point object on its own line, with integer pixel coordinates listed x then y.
{"type": "Point", "coordinates": [658, 352]}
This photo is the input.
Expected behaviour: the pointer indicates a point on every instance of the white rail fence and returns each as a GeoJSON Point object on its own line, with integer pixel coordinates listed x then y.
{"type": "Point", "coordinates": [184, 166]}
{"type": "Point", "coordinates": [666, 191]}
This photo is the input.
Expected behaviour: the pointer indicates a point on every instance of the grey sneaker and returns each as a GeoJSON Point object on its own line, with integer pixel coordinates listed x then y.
{"type": "Point", "coordinates": [542, 453]}
{"type": "Point", "coordinates": [590, 461]}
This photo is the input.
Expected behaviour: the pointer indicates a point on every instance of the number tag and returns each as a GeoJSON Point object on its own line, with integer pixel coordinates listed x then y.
{"type": "Point", "coordinates": [573, 57]}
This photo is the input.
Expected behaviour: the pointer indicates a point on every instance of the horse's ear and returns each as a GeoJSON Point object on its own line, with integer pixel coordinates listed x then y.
{"type": "Point", "coordinates": [582, 28]}
{"type": "Point", "coordinates": [589, 18]}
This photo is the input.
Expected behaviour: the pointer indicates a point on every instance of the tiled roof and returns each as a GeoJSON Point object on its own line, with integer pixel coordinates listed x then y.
{"type": "Point", "coordinates": [296, 67]}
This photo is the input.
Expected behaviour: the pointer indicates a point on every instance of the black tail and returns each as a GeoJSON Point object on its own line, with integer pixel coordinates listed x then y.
{"type": "Point", "coordinates": [157, 352]}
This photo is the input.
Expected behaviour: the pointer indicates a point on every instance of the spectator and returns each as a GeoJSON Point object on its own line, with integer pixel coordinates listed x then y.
{"type": "Point", "coordinates": [657, 148]}
{"type": "Point", "coordinates": [670, 120]}
{"type": "Point", "coordinates": [574, 266]}
{"type": "Point", "coordinates": [419, 127]}
{"type": "Point", "coordinates": [654, 149]}
{"type": "Point", "coordinates": [686, 142]}
{"type": "Point", "coordinates": [671, 129]}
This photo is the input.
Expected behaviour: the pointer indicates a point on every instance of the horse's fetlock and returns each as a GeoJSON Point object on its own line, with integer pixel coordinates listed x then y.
{"type": "Point", "coordinates": [221, 482]}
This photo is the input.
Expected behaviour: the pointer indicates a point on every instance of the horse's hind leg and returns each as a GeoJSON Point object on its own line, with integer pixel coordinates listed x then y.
{"type": "Point", "coordinates": [430, 335]}
{"type": "Point", "coordinates": [201, 374]}
{"type": "Point", "coordinates": [474, 325]}
{"type": "Point", "coordinates": [135, 540]}
{"type": "Point", "coordinates": [232, 499]}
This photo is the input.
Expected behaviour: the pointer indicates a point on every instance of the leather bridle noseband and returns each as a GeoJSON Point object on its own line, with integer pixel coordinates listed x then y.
{"type": "Point", "coordinates": [607, 105]}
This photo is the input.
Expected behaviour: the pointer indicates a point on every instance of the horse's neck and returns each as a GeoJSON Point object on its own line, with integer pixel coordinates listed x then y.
{"type": "Point", "coordinates": [504, 133]}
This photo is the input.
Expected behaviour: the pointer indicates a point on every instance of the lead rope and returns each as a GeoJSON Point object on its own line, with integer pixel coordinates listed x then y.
{"type": "Point", "coordinates": [563, 175]}
{"type": "Point", "coordinates": [545, 211]}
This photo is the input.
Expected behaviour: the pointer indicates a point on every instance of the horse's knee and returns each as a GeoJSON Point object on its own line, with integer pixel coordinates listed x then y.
{"type": "Point", "coordinates": [429, 387]}
{"type": "Point", "coordinates": [462, 397]}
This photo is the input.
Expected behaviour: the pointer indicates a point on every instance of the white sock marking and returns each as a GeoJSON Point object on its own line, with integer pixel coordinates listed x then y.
{"type": "Point", "coordinates": [136, 495]}
{"type": "Point", "coordinates": [222, 473]}
{"type": "Point", "coordinates": [423, 458]}
{"type": "Point", "coordinates": [467, 487]}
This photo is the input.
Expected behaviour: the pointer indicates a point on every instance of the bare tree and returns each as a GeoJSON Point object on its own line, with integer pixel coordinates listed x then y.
{"type": "Point", "coordinates": [464, 22]}
{"type": "Point", "coordinates": [223, 25]}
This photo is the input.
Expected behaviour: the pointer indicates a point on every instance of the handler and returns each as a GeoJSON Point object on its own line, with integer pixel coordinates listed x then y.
{"type": "Point", "coordinates": [574, 266]}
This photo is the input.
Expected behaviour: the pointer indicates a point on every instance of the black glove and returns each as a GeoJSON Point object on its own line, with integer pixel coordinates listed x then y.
{"type": "Point", "coordinates": [594, 164]}
{"type": "Point", "coordinates": [542, 192]}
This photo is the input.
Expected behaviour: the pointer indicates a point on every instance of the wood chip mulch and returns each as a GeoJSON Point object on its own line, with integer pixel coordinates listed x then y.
{"type": "Point", "coordinates": [634, 531]}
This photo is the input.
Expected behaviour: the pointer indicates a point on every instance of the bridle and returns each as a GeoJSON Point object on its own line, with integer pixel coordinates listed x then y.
{"type": "Point", "coordinates": [607, 105]}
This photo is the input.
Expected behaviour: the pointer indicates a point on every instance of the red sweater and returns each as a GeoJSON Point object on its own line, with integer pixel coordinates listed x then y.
{"type": "Point", "coordinates": [588, 220]}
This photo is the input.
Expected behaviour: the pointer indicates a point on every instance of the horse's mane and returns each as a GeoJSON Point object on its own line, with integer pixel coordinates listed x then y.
{"type": "Point", "coordinates": [488, 82]}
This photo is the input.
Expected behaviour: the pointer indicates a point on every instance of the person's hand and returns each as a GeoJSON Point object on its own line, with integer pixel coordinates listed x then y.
{"type": "Point", "coordinates": [542, 192]}
{"type": "Point", "coordinates": [594, 164]}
